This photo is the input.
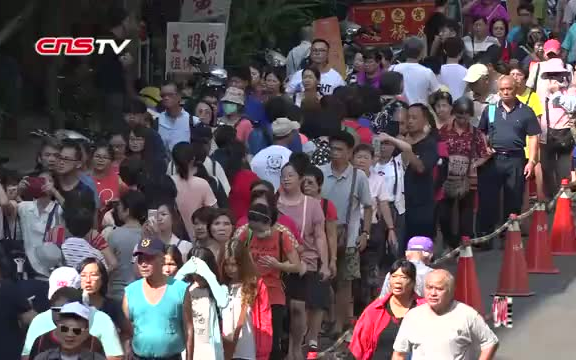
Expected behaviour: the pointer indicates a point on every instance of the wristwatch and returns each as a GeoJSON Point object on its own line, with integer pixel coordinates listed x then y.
{"type": "Point", "coordinates": [364, 232]}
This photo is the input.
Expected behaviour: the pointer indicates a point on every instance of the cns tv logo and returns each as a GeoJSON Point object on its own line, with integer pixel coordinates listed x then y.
{"type": "Point", "coordinates": [82, 46]}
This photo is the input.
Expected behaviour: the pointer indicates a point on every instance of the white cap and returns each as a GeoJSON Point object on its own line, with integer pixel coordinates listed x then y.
{"type": "Point", "coordinates": [76, 308]}
{"type": "Point", "coordinates": [63, 277]}
{"type": "Point", "coordinates": [475, 72]}
{"type": "Point", "coordinates": [282, 127]}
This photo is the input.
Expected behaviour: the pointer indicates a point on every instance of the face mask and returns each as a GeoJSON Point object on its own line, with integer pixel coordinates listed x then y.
{"type": "Point", "coordinates": [229, 108]}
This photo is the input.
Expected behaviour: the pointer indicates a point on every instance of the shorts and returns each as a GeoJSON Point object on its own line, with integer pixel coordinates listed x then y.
{"type": "Point", "coordinates": [348, 265]}
{"type": "Point", "coordinates": [310, 289]}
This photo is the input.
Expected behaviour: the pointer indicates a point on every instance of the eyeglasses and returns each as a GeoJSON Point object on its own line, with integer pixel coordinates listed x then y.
{"type": "Point", "coordinates": [56, 309]}
{"type": "Point", "coordinates": [100, 157]}
{"type": "Point", "coordinates": [65, 159]}
{"type": "Point", "coordinates": [67, 329]}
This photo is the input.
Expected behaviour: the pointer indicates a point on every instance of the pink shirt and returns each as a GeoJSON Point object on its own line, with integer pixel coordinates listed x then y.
{"type": "Point", "coordinates": [243, 130]}
{"type": "Point", "coordinates": [193, 194]}
{"type": "Point", "coordinates": [307, 215]}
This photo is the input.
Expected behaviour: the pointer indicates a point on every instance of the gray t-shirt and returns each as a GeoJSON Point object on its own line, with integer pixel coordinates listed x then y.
{"type": "Point", "coordinates": [421, 271]}
{"type": "Point", "coordinates": [122, 241]}
{"type": "Point", "coordinates": [458, 334]}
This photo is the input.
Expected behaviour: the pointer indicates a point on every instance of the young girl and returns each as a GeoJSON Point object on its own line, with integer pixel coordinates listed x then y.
{"type": "Point", "coordinates": [172, 261]}
{"type": "Point", "coordinates": [247, 320]}
{"type": "Point", "coordinates": [206, 297]}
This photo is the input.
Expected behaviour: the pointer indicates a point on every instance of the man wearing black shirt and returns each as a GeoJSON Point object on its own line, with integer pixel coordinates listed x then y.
{"type": "Point", "coordinates": [69, 170]}
{"type": "Point", "coordinates": [110, 69]}
{"type": "Point", "coordinates": [507, 124]}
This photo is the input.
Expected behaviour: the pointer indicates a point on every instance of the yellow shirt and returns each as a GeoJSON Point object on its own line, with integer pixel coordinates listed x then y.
{"type": "Point", "coordinates": [530, 98]}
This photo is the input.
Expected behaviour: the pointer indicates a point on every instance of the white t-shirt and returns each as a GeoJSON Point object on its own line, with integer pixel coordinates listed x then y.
{"type": "Point", "coordinates": [246, 345]}
{"type": "Point", "coordinates": [452, 75]}
{"type": "Point", "coordinates": [455, 335]}
{"type": "Point", "coordinates": [378, 192]}
{"type": "Point", "coordinates": [475, 47]}
{"type": "Point", "coordinates": [329, 81]}
{"type": "Point", "coordinates": [419, 82]}
{"type": "Point", "coordinates": [201, 303]}
{"type": "Point", "coordinates": [393, 173]}
{"type": "Point", "coordinates": [268, 163]}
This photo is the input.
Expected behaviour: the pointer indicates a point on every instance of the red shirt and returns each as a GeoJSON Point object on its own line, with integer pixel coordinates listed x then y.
{"type": "Point", "coordinates": [373, 320]}
{"type": "Point", "coordinates": [364, 133]}
{"type": "Point", "coordinates": [331, 213]}
{"type": "Point", "coordinates": [461, 144]}
{"type": "Point", "coordinates": [239, 197]}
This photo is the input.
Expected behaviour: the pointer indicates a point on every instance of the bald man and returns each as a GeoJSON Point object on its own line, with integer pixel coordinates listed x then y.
{"type": "Point", "coordinates": [443, 329]}
{"type": "Point", "coordinates": [506, 124]}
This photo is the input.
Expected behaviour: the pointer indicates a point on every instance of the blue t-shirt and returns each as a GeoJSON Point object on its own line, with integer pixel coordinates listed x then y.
{"type": "Point", "coordinates": [158, 329]}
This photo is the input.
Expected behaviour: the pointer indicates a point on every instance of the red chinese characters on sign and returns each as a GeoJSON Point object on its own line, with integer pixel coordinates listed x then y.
{"type": "Point", "coordinates": [390, 23]}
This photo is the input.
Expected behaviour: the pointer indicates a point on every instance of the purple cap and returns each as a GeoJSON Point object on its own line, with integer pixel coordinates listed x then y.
{"type": "Point", "coordinates": [420, 243]}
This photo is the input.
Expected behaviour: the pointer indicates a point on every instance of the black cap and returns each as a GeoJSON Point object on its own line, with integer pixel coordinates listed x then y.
{"type": "Point", "coordinates": [150, 246]}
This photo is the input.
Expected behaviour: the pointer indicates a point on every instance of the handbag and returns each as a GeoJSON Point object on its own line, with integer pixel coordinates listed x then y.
{"type": "Point", "coordinates": [458, 182]}
{"type": "Point", "coordinates": [228, 344]}
{"type": "Point", "coordinates": [342, 229]}
{"type": "Point", "coordinates": [558, 139]}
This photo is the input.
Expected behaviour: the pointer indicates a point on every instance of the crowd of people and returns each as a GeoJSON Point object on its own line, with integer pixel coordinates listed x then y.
{"type": "Point", "coordinates": [246, 226]}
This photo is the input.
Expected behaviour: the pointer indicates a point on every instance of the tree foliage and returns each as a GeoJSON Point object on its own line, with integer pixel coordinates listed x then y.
{"type": "Point", "coordinates": [257, 24]}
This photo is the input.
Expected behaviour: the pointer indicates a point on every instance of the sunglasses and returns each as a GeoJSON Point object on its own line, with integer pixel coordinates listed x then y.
{"type": "Point", "coordinates": [76, 331]}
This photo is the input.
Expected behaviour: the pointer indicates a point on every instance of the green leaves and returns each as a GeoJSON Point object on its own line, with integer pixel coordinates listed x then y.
{"type": "Point", "coordinates": [257, 24]}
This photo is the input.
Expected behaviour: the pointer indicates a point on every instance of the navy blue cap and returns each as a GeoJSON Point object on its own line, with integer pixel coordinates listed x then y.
{"type": "Point", "coordinates": [150, 246]}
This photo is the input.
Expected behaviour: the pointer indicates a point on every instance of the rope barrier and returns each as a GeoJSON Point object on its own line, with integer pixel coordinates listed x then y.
{"type": "Point", "coordinates": [452, 254]}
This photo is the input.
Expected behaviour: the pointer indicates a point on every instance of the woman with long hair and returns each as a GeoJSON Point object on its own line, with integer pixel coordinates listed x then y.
{"type": "Point", "coordinates": [376, 329]}
{"type": "Point", "coordinates": [205, 113]}
{"type": "Point", "coordinates": [248, 300]}
{"type": "Point", "coordinates": [273, 250]}
{"type": "Point", "coordinates": [193, 191]}
{"type": "Point", "coordinates": [142, 146]}
{"type": "Point", "coordinates": [309, 293]}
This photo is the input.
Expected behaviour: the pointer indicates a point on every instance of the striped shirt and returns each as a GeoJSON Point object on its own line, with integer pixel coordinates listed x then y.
{"type": "Point", "coordinates": [75, 250]}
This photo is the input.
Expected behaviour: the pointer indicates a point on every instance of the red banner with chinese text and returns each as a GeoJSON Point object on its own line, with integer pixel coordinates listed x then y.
{"type": "Point", "coordinates": [390, 23]}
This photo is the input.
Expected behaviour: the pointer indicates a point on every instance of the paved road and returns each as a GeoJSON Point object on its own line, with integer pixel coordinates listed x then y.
{"type": "Point", "coordinates": [543, 324]}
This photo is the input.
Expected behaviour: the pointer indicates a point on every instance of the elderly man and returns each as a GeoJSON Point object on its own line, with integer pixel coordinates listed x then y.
{"type": "Point", "coordinates": [419, 252]}
{"type": "Point", "coordinates": [443, 329]}
{"type": "Point", "coordinates": [507, 125]}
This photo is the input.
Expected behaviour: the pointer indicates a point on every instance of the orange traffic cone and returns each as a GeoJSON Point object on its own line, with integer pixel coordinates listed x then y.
{"type": "Point", "coordinates": [513, 275]}
{"type": "Point", "coordinates": [538, 254]}
{"type": "Point", "coordinates": [467, 287]}
{"type": "Point", "coordinates": [562, 237]}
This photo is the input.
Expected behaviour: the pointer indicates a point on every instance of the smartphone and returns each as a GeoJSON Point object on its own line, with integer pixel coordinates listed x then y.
{"type": "Point", "coordinates": [152, 213]}
{"type": "Point", "coordinates": [35, 185]}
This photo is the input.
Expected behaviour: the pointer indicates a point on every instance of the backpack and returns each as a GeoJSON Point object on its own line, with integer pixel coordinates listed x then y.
{"type": "Point", "coordinates": [218, 190]}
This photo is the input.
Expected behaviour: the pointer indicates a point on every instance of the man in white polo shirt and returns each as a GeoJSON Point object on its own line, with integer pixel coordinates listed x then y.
{"type": "Point", "coordinates": [174, 123]}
